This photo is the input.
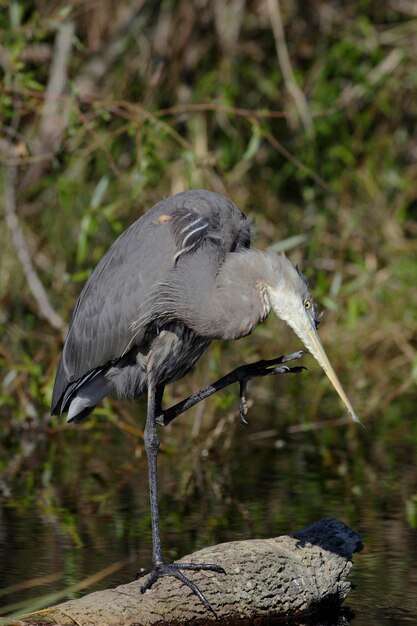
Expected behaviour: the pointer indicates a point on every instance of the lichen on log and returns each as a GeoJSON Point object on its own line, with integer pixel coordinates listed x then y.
{"type": "Point", "coordinates": [285, 577]}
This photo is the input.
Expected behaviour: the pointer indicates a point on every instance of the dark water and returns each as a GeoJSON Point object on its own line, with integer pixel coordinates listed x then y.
{"type": "Point", "coordinates": [88, 505]}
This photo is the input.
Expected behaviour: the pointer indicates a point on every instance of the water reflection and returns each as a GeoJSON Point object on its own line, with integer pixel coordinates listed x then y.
{"type": "Point", "coordinates": [90, 507]}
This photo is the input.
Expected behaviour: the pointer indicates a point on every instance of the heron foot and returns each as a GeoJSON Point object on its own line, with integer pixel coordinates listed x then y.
{"type": "Point", "coordinates": [268, 367]}
{"type": "Point", "coordinates": [264, 368]}
{"type": "Point", "coordinates": [173, 569]}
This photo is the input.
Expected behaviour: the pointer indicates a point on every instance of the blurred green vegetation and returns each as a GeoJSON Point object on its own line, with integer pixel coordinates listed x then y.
{"type": "Point", "coordinates": [107, 107]}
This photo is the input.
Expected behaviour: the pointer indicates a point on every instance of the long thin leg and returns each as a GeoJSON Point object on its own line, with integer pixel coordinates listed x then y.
{"type": "Point", "coordinates": [151, 439]}
{"type": "Point", "coordinates": [241, 374]}
{"type": "Point", "coordinates": [159, 567]}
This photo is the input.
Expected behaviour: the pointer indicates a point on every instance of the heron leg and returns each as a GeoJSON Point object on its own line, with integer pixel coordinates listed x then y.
{"type": "Point", "coordinates": [242, 375]}
{"type": "Point", "coordinates": [159, 567]}
{"type": "Point", "coordinates": [152, 441]}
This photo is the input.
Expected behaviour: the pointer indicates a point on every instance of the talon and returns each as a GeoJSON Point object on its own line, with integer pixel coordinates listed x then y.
{"type": "Point", "coordinates": [201, 566]}
{"type": "Point", "coordinates": [281, 369]}
{"type": "Point", "coordinates": [243, 405]}
{"type": "Point", "coordinates": [142, 572]}
{"type": "Point", "coordinates": [243, 420]}
{"type": "Point", "coordinates": [243, 409]}
{"type": "Point", "coordinates": [294, 356]}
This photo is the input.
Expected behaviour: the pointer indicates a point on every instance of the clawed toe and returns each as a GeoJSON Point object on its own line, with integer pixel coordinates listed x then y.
{"type": "Point", "coordinates": [264, 367]}
{"type": "Point", "coordinates": [174, 569]}
{"type": "Point", "coordinates": [243, 405]}
{"type": "Point", "coordinates": [284, 369]}
{"type": "Point", "coordinates": [144, 571]}
{"type": "Point", "coordinates": [201, 566]}
{"type": "Point", "coordinates": [292, 357]}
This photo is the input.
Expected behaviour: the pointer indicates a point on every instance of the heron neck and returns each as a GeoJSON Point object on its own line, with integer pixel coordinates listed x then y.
{"type": "Point", "coordinates": [225, 303]}
{"type": "Point", "coordinates": [238, 300]}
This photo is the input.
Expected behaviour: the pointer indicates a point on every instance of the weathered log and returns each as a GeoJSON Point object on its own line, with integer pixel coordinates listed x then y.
{"type": "Point", "coordinates": [288, 576]}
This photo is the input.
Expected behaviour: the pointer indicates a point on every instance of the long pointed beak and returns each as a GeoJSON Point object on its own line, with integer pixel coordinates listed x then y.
{"type": "Point", "coordinates": [317, 350]}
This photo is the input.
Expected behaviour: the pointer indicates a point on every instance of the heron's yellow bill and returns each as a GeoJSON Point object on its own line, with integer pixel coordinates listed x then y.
{"type": "Point", "coordinates": [317, 350]}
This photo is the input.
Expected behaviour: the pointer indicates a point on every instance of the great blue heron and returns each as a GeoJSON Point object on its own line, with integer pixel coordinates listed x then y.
{"type": "Point", "coordinates": [181, 276]}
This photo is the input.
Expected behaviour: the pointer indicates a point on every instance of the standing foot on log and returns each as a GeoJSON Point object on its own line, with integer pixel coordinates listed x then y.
{"type": "Point", "coordinates": [173, 569]}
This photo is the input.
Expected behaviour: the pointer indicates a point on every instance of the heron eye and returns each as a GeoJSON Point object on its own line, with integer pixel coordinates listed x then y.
{"type": "Point", "coordinates": [307, 304]}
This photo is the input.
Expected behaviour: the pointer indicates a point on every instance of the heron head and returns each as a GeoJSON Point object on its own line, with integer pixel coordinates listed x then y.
{"type": "Point", "coordinates": [291, 300]}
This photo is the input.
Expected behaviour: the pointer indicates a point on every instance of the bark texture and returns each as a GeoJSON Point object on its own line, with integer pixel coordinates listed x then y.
{"type": "Point", "coordinates": [284, 577]}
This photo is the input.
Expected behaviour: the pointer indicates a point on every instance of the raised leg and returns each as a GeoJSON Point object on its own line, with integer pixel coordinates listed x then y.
{"type": "Point", "coordinates": [159, 567]}
{"type": "Point", "coordinates": [242, 375]}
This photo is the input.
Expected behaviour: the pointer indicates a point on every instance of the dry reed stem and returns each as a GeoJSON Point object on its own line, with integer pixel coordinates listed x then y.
{"type": "Point", "coordinates": [286, 68]}
{"type": "Point", "coordinates": [22, 250]}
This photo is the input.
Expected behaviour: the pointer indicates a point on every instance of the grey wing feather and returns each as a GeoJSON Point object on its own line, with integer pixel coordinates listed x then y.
{"type": "Point", "coordinates": [190, 229]}
{"type": "Point", "coordinates": [100, 327]}
{"type": "Point", "coordinates": [115, 307]}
